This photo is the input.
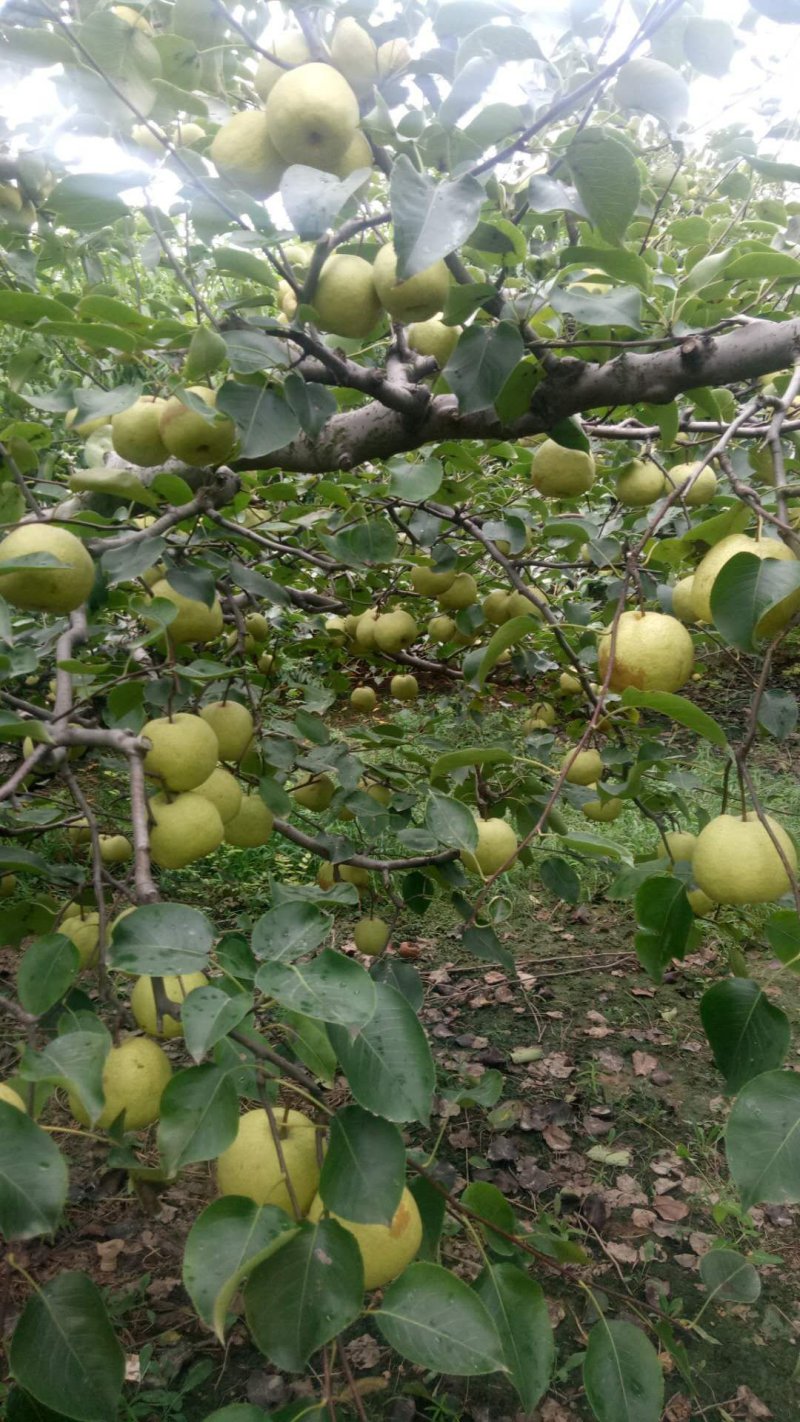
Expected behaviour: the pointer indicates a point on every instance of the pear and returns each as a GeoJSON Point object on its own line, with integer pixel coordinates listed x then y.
{"type": "Point", "coordinates": [703, 489]}
{"type": "Point", "coordinates": [441, 630]}
{"type": "Point", "coordinates": [682, 599]}
{"type": "Point", "coordinates": [429, 581]}
{"type": "Point", "coordinates": [652, 652]}
{"type": "Point", "coordinates": [223, 791]}
{"type": "Point", "coordinates": [603, 810]}
{"type": "Point", "coordinates": [394, 631]}
{"type": "Point", "coordinates": [185, 829]}
{"type": "Point", "coordinates": [462, 592]}
{"type": "Point", "coordinates": [363, 698]}
{"type": "Point", "coordinates": [115, 848]}
{"type": "Point", "coordinates": [132, 17]}
{"type": "Point", "coordinates": [183, 750]}
{"type": "Point", "coordinates": [652, 87]}
{"type": "Point", "coordinates": [8, 885]}
{"type": "Point", "coordinates": [640, 483]}
{"type": "Point", "coordinates": [497, 841]}
{"type": "Point", "coordinates": [136, 432]}
{"type": "Point", "coordinates": [195, 621]}
{"type": "Point", "coordinates": [84, 932]}
{"type": "Point", "coordinates": [583, 767]}
{"type": "Point", "coordinates": [404, 688]}
{"type": "Point", "coordinates": [186, 135]}
{"type": "Point", "coordinates": [393, 57]}
{"type": "Point", "coordinates": [292, 48]}
{"type": "Point", "coordinates": [365, 629]}
{"type": "Point", "coordinates": [315, 794]}
{"type": "Point", "coordinates": [243, 153]}
{"type": "Point", "coordinates": [358, 154]}
{"type": "Point", "coordinates": [336, 631]}
{"type": "Point", "coordinates": [416, 299]}
{"type": "Point", "coordinates": [371, 936]}
{"type": "Point", "coordinates": [345, 299]}
{"type": "Point", "coordinates": [561, 473]}
{"type": "Point", "coordinates": [433, 338]}
{"type": "Point", "coordinates": [191, 437]}
{"type": "Point", "coordinates": [257, 626]}
{"type": "Point", "coordinates": [59, 588]}
{"type": "Point", "coordinates": [518, 605]}
{"type": "Point", "coordinates": [312, 115]}
{"type": "Point", "coordinates": [354, 52]}
{"type": "Point", "coordinates": [735, 860]}
{"type": "Point", "coordinates": [84, 428]}
{"type": "Point", "coordinates": [327, 875]}
{"type": "Point", "coordinates": [714, 561]}
{"type": "Point", "coordinates": [232, 724]}
{"type": "Point", "coordinates": [569, 684]}
{"type": "Point", "coordinates": [495, 607]}
{"type": "Point", "coordinates": [252, 825]}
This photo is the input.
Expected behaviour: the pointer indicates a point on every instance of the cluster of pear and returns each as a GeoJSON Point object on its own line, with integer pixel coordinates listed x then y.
{"type": "Point", "coordinates": [642, 481]}
{"type": "Point", "coordinates": [310, 111]}
{"type": "Point", "coordinates": [735, 859]}
{"type": "Point", "coordinates": [200, 802]}
{"type": "Point", "coordinates": [691, 596]}
{"type": "Point", "coordinates": [153, 430]}
{"type": "Point", "coordinates": [16, 211]}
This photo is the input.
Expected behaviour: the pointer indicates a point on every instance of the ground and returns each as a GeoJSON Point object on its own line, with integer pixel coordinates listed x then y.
{"type": "Point", "coordinates": [603, 1126]}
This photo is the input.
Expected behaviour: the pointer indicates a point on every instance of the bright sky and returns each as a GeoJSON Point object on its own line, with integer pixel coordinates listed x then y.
{"type": "Point", "coordinates": [766, 65]}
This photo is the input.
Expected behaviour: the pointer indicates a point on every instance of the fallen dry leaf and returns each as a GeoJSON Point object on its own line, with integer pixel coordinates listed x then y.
{"type": "Point", "coordinates": [670, 1209]}
{"type": "Point", "coordinates": [556, 1138]}
{"type": "Point", "coordinates": [643, 1064]}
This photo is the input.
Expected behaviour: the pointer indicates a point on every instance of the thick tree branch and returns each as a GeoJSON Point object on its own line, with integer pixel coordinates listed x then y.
{"type": "Point", "coordinates": [375, 432]}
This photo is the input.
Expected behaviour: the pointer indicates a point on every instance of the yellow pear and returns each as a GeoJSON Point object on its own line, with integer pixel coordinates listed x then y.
{"type": "Point", "coordinates": [243, 153]}
{"type": "Point", "coordinates": [652, 652]}
{"type": "Point", "coordinates": [136, 432]}
{"type": "Point", "coordinates": [222, 791]}
{"type": "Point", "coordinates": [404, 688]}
{"type": "Point", "coordinates": [433, 338]}
{"type": "Point", "coordinates": [497, 841]}
{"type": "Point", "coordinates": [134, 1077]}
{"type": "Point", "coordinates": [371, 936]}
{"type": "Point", "coordinates": [394, 631]}
{"type": "Point", "coordinates": [736, 862]}
{"type": "Point", "coordinates": [715, 559]}
{"type": "Point", "coordinates": [190, 436]}
{"type": "Point", "coordinates": [416, 299]}
{"type": "Point", "coordinates": [561, 473]}
{"type": "Point", "coordinates": [84, 932]}
{"type": "Point", "coordinates": [143, 1003]}
{"type": "Point", "coordinates": [583, 767]}
{"type": "Point", "coordinates": [386, 1250]}
{"type": "Point", "coordinates": [251, 1167]}
{"type": "Point", "coordinates": [462, 592]}
{"type": "Point", "coordinates": [603, 810]}
{"type": "Point", "coordinates": [363, 698]}
{"type": "Point", "coordinates": [115, 848]}
{"type": "Point", "coordinates": [312, 114]}
{"type": "Point", "coordinates": [345, 299]}
{"type": "Point", "coordinates": [355, 55]}
{"type": "Point", "coordinates": [429, 581]}
{"type": "Point", "coordinates": [703, 489]}
{"type": "Point", "coordinates": [292, 48]}
{"type": "Point", "coordinates": [183, 750]}
{"type": "Point", "coordinates": [441, 630]}
{"type": "Point", "coordinates": [640, 483]}
{"type": "Point", "coordinates": [185, 829]}
{"type": "Point", "coordinates": [682, 599]}
{"type": "Point", "coordinates": [232, 724]}
{"type": "Point", "coordinates": [57, 589]}
{"type": "Point", "coordinates": [680, 844]}
{"type": "Point", "coordinates": [195, 621]}
{"type": "Point", "coordinates": [252, 825]}
{"type": "Point", "coordinates": [327, 875]}
{"type": "Point", "coordinates": [314, 794]}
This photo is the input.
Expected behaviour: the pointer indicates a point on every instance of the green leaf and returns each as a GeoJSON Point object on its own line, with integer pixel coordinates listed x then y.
{"type": "Point", "coordinates": [18, 308]}
{"type": "Point", "coordinates": [372, 541]}
{"type": "Point", "coordinates": [246, 1412]}
{"type": "Point", "coordinates": [752, 598]}
{"type": "Point", "coordinates": [729, 1277]}
{"type": "Point", "coordinates": [622, 1374]}
{"type": "Point", "coordinates": [748, 1033]}
{"type": "Point", "coordinates": [160, 939]}
{"type": "Point", "coordinates": [262, 417]}
{"type": "Point", "coordinates": [208, 1014]}
{"type": "Point", "coordinates": [223, 1246]}
{"type": "Point", "coordinates": [33, 1177]}
{"type": "Point", "coordinates": [430, 220]}
{"type": "Point", "coordinates": [764, 265]}
{"type": "Point", "coordinates": [783, 932]}
{"type": "Point", "coordinates": [622, 306]}
{"type": "Point", "coordinates": [75, 1061]}
{"type": "Point", "coordinates": [319, 1278]}
{"type": "Point", "coordinates": [86, 201]}
{"type": "Point", "coordinates": [417, 481]}
{"type": "Point", "coordinates": [310, 1043]}
{"type": "Point", "coordinates": [468, 88]}
{"type": "Point", "coordinates": [560, 878]}
{"type": "Point", "coordinates": [451, 823]}
{"type": "Point", "coordinates": [388, 1064]}
{"type": "Point", "coordinates": [47, 969]}
{"type": "Point", "coordinates": [485, 944]}
{"type": "Point", "coordinates": [679, 709]}
{"type": "Point", "coordinates": [331, 988]}
{"type": "Point", "coordinates": [289, 931]}
{"type": "Point", "coordinates": [313, 198]}
{"type": "Point", "coordinates": [364, 1170]}
{"type": "Point", "coordinates": [777, 713]}
{"type": "Point", "coordinates": [471, 755]}
{"type": "Point", "coordinates": [433, 1318]}
{"type": "Point", "coordinates": [607, 179]}
{"type": "Point", "coordinates": [481, 364]}
{"type": "Point", "coordinates": [431, 1204]}
{"type": "Point", "coordinates": [518, 1307]}
{"type": "Point", "coordinates": [491, 1204]}
{"type": "Point", "coordinates": [506, 636]}
{"type": "Point", "coordinates": [664, 916]}
{"type": "Point", "coordinates": [776, 172]}
{"type": "Point", "coordinates": [763, 1139]}
{"type": "Point", "coordinates": [199, 1116]}
{"type": "Point", "coordinates": [65, 1353]}
{"type": "Point", "coordinates": [706, 271]}
{"type": "Point", "coordinates": [615, 261]}
{"type": "Point", "coordinates": [249, 351]}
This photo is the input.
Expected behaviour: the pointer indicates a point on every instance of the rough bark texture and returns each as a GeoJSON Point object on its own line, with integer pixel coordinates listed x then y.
{"type": "Point", "coordinates": [374, 432]}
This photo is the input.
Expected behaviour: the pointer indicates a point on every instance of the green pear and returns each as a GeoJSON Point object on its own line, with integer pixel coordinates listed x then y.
{"type": "Point", "coordinates": [416, 299]}
{"type": "Point", "coordinates": [136, 432]}
{"type": "Point", "coordinates": [429, 582]}
{"type": "Point", "coordinates": [185, 829]}
{"type": "Point", "coordinates": [292, 48]}
{"type": "Point", "coordinates": [463, 592]}
{"type": "Point", "coordinates": [393, 57]}
{"type": "Point", "coordinates": [252, 825]}
{"type": "Point", "coordinates": [59, 588]}
{"type": "Point", "coordinates": [371, 936]}
{"type": "Point", "coordinates": [495, 607]}
{"type": "Point", "coordinates": [243, 153]}
{"type": "Point", "coordinates": [404, 688]}
{"type": "Point", "coordinates": [312, 115]}
{"type": "Point", "coordinates": [195, 621]}
{"type": "Point", "coordinates": [232, 724]}
{"type": "Point", "coordinates": [183, 750]}
{"type": "Point", "coordinates": [115, 848]}
{"type": "Point", "coordinates": [345, 299]}
{"type": "Point", "coordinates": [394, 631]}
{"type": "Point", "coordinates": [315, 794]}
{"type": "Point", "coordinates": [441, 630]}
{"type": "Point", "coordinates": [358, 154]}
{"type": "Point", "coordinates": [363, 698]}
{"type": "Point", "coordinates": [192, 437]}
{"type": "Point", "coordinates": [433, 338]}
{"type": "Point", "coordinates": [354, 52]}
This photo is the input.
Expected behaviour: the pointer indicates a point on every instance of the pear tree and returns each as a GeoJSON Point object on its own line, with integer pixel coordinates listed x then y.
{"type": "Point", "coordinates": [407, 361]}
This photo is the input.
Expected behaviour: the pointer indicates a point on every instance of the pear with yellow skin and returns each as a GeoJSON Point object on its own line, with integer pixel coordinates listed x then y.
{"type": "Point", "coordinates": [191, 437]}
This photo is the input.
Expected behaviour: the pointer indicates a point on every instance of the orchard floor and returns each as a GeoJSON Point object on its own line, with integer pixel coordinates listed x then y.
{"type": "Point", "coordinates": [609, 1130]}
